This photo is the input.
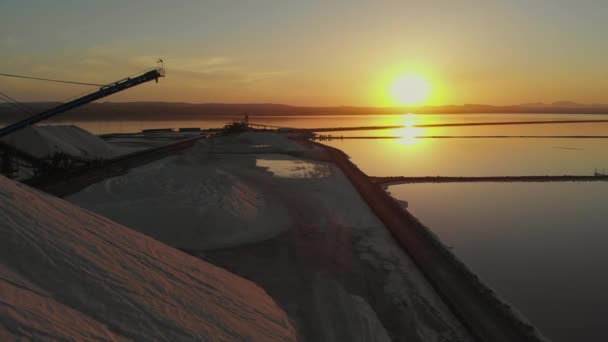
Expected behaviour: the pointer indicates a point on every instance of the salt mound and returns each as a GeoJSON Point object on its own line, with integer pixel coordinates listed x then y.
{"type": "Point", "coordinates": [190, 202]}
{"type": "Point", "coordinates": [44, 141]}
{"type": "Point", "coordinates": [66, 273]}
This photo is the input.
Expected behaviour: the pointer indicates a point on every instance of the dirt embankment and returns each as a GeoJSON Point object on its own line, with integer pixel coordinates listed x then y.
{"type": "Point", "coordinates": [479, 308]}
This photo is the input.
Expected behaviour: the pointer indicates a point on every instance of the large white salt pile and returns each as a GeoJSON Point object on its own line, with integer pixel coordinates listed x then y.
{"type": "Point", "coordinates": [66, 273]}
{"type": "Point", "coordinates": [192, 201]}
{"type": "Point", "coordinates": [44, 141]}
{"type": "Point", "coordinates": [281, 221]}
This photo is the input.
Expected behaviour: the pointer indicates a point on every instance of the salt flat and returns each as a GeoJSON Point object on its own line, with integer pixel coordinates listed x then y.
{"type": "Point", "coordinates": [251, 204]}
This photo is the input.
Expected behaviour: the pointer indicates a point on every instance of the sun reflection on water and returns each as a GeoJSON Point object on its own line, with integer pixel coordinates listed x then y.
{"type": "Point", "coordinates": [408, 133]}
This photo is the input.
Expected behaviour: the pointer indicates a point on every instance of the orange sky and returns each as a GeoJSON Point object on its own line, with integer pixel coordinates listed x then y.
{"type": "Point", "coordinates": [311, 53]}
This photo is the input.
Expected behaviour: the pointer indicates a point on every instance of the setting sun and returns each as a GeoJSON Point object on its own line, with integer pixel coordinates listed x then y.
{"type": "Point", "coordinates": [435, 170]}
{"type": "Point", "coordinates": [410, 90]}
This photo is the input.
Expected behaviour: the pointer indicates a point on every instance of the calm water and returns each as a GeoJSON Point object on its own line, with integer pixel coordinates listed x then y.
{"type": "Point", "coordinates": [542, 246]}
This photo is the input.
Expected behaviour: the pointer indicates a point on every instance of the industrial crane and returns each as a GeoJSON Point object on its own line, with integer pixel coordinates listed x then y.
{"type": "Point", "coordinates": [10, 156]}
{"type": "Point", "coordinates": [104, 91]}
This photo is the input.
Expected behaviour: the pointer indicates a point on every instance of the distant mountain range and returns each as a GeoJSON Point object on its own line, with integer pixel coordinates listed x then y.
{"type": "Point", "coordinates": [177, 111]}
{"type": "Point", "coordinates": [564, 104]}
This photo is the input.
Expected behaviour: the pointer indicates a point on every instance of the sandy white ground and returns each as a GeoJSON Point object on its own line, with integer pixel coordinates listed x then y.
{"type": "Point", "coordinates": [296, 227]}
{"type": "Point", "coordinates": [44, 141]}
{"type": "Point", "coordinates": [190, 202]}
{"type": "Point", "coordinates": [68, 274]}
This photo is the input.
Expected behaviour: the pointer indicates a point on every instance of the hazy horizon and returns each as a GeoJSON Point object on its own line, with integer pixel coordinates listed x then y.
{"type": "Point", "coordinates": [345, 53]}
{"type": "Point", "coordinates": [556, 104]}
{"type": "Point", "coordinates": [369, 170]}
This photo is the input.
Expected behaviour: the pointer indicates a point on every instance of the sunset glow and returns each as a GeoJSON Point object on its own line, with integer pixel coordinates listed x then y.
{"type": "Point", "coordinates": [229, 53]}
{"type": "Point", "coordinates": [331, 170]}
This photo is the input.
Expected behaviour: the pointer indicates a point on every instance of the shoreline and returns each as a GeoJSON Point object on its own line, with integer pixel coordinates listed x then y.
{"type": "Point", "coordinates": [475, 305]}
{"type": "Point", "coordinates": [306, 235]}
{"type": "Point", "coordinates": [479, 308]}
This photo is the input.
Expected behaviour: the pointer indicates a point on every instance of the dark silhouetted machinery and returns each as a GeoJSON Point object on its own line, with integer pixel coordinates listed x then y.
{"type": "Point", "coordinates": [12, 159]}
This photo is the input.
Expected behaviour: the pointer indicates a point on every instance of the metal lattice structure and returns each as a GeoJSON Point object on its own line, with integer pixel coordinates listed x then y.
{"type": "Point", "coordinates": [12, 159]}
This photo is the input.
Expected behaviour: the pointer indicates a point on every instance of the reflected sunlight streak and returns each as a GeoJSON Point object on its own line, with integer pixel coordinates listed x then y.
{"type": "Point", "coordinates": [408, 133]}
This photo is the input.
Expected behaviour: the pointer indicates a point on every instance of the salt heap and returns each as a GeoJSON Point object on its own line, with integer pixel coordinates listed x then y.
{"type": "Point", "coordinates": [207, 197]}
{"type": "Point", "coordinates": [44, 141]}
{"type": "Point", "coordinates": [66, 273]}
